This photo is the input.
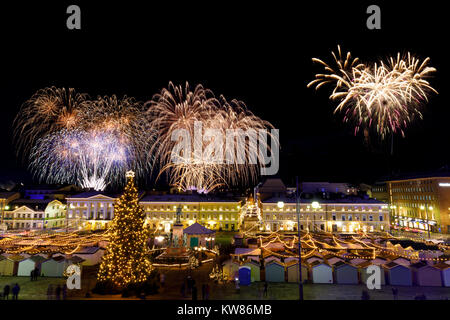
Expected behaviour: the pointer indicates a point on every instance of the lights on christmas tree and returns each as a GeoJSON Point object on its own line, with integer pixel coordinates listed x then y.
{"type": "Point", "coordinates": [125, 261]}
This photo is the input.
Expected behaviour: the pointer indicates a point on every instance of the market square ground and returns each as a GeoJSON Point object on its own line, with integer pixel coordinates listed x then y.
{"type": "Point", "coordinates": [37, 290]}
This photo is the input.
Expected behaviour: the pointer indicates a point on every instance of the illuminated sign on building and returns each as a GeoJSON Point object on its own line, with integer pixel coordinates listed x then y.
{"type": "Point", "coordinates": [444, 184]}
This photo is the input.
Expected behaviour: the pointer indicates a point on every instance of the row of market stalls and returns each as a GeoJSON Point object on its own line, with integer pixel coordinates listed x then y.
{"type": "Point", "coordinates": [420, 274]}
{"type": "Point", "coordinates": [48, 265]}
{"type": "Point", "coordinates": [328, 260]}
{"type": "Point", "coordinates": [49, 254]}
{"type": "Point", "coordinates": [50, 243]}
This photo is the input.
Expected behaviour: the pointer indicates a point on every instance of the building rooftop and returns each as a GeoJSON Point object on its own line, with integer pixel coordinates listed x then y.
{"type": "Point", "coordinates": [197, 228]}
{"type": "Point", "coordinates": [347, 200]}
{"type": "Point", "coordinates": [441, 173]}
{"type": "Point", "coordinates": [37, 258]}
{"type": "Point", "coordinates": [7, 194]}
{"type": "Point", "coordinates": [39, 204]}
{"type": "Point", "coordinates": [419, 265]}
{"type": "Point", "coordinates": [88, 194]}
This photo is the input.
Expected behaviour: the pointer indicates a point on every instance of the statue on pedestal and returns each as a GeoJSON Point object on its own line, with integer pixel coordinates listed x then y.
{"type": "Point", "coordinates": [178, 230]}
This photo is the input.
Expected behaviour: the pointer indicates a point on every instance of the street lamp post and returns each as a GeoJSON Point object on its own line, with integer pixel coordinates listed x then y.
{"type": "Point", "coordinates": [314, 205]}
{"type": "Point", "coordinates": [428, 221]}
{"type": "Point", "coordinates": [300, 282]}
{"type": "Point", "coordinates": [67, 219]}
{"type": "Point", "coordinates": [394, 217]}
{"type": "Point", "coordinates": [2, 224]}
{"type": "Point", "coordinates": [2, 208]}
{"type": "Point", "coordinates": [426, 217]}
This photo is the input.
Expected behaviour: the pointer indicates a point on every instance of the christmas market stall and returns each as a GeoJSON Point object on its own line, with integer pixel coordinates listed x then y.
{"type": "Point", "coordinates": [10, 264]}
{"type": "Point", "coordinates": [426, 275]}
{"type": "Point", "coordinates": [345, 273]}
{"type": "Point", "coordinates": [91, 255]}
{"type": "Point", "coordinates": [199, 236]}
{"type": "Point", "coordinates": [54, 267]}
{"type": "Point", "coordinates": [292, 272]}
{"type": "Point", "coordinates": [445, 273]}
{"type": "Point", "coordinates": [255, 270]}
{"type": "Point", "coordinates": [230, 269]}
{"type": "Point", "coordinates": [29, 264]}
{"type": "Point", "coordinates": [244, 254]}
{"type": "Point", "coordinates": [363, 274]}
{"type": "Point", "coordinates": [321, 272]}
{"type": "Point", "coordinates": [397, 274]}
{"type": "Point", "coordinates": [274, 271]}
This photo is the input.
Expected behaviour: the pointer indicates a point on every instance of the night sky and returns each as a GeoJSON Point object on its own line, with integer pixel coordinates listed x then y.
{"type": "Point", "coordinates": [258, 53]}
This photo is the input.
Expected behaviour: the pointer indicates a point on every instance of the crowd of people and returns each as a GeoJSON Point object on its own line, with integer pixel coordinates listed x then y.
{"type": "Point", "coordinates": [54, 292]}
{"type": "Point", "coordinates": [57, 292]}
{"type": "Point", "coordinates": [14, 291]}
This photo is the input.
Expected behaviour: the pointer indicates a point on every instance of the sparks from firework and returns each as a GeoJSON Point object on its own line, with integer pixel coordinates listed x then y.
{"type": "Point", "coordinates": [88, 142]}
{"type": "Point", "coordinates": [178, 108]}
{"type": "Point", "coordinates": [89, 158]}
{"type": "Point", "coordinates": [387, 95]}
{"type": "Point", "coordinates": [47, 111]}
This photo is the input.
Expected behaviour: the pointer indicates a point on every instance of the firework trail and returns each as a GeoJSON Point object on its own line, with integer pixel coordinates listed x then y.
{"type": "Point", "coordinates": [386, 95]}
{"type": "Point", "coordinates": [178, 108]}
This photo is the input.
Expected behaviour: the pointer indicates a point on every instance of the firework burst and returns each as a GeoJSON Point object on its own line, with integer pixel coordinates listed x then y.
{"type": "Point", "coordinates": [47, 111]}
{"type": "Point", "coordinates": [178, 108]}
{"type": "Point", "coordinates": [71, 139]}
{"type": "Point", "coordinates": [386, 95]}
{"type": "Point", "coordinates": [88, 158]}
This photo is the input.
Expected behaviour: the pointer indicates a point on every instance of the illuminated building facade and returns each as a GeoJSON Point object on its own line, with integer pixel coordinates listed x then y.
{"type": "Point", "coordinates": [90, 210]}
{"type": "Point", "coordinates": [95, 210]}
{"type": "Point", "coordinates": [379, 191]}
{"type": "Point", "coordinates": [35, 214]}
{"type": "Point", "coordinates": [347, 213]}
{"type": "Point", "coordinates": [421, 203]}
{"type": "Point", "coordinates": [330, 207]}
{"type": "Point", "coordinates": [5, 200]}
{"type": "Point", "coordinates": [212, 212]}
{"type": "Point", "coordinates": [340, 215]}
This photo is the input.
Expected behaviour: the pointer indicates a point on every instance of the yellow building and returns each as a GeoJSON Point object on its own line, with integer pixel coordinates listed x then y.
{"type": "Point", "coordinates": [342, 215]}
{"type": "Point", "coordinates": [35, 214]}
{"type": "Point", "coordinates": [213, 212]}
{"type": "Point", "coordinates": [421, 202]}
{"type": "Point", "coordinates": [95, 210]}
{"type": "Point", "coordinates": [5, 199]}
{"type": "Point", "coordinates": [347, 213]}
{"type": "Point", "coordinates": [379, 192]}
{"type": "Point", "coordinates": [90, 210]}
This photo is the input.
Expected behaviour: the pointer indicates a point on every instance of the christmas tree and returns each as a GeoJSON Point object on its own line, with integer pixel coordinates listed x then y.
{"type": "Point", "coordinates": [125, 261]}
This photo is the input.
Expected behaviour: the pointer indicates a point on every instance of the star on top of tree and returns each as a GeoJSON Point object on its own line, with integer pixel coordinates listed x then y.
{"type": "Point", "coordinates": [129, 174]}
